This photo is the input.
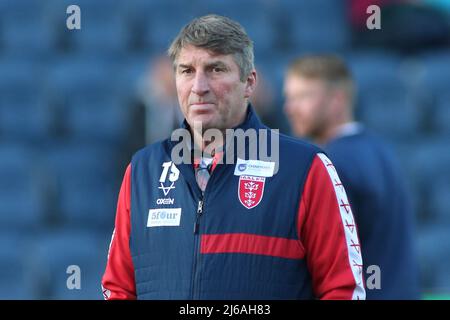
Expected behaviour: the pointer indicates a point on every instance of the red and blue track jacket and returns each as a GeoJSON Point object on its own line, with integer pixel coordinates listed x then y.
{"type": "Point", "coordinates": [250, 235]}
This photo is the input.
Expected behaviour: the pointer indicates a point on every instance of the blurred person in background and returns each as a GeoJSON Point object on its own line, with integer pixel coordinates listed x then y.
{"type": "Point", "coordinates": [319, 101]}
{"type": "Point", "coordinates": [263, 100]}
{"type": "Point", "coordinates": [158, 94]}
{"type": "Point", "coordinates": [204, 229]}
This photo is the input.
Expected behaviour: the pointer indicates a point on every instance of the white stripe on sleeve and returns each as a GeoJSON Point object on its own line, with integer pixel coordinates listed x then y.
{"type": "Point", "coordinates": [351, 237]}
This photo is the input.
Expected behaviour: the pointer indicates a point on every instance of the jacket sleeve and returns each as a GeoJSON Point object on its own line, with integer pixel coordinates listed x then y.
{"type": "Point", "coordinates": [329, 236]}
{"type": "Point", "coordinates": [118, 279]}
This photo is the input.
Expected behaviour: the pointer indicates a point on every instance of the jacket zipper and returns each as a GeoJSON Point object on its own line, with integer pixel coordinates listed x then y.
{"type": "Point", "coordinates": [199, 214]}
{"type": "Point", "coordinates": [196, 246]}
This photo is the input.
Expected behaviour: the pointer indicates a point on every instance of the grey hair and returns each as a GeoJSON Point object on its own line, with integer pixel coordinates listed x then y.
{"type": "Point", "coordinates": [220, 35]}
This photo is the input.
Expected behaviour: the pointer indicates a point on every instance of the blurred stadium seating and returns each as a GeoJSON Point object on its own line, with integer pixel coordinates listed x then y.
{"type": "Point", "coordinates": [53, 252]}
{"type": "Point", "coordinates": [22, 190]}
{"type": "Point", "coordinates": [66, 122]}
{"type": "Point", "coordinates": [15, 281]}
{"type": "Point", "coordinates": [384, 96]}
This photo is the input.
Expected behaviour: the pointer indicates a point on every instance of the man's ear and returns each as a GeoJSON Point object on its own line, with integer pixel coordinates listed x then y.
{"type": "Point", "coordinates": [250, 84]}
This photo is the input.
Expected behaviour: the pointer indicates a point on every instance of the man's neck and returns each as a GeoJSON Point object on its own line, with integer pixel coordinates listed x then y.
{"type": "Point", "coordinates": [333, 131]}
{"type": "Point", "coordinates": [348, 129]}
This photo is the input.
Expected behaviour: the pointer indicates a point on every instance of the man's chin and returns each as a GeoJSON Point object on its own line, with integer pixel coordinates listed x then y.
{"type": "Point", "coordinates": [301, 133]}
{"type": "Point", "coordinates": [206, 121]}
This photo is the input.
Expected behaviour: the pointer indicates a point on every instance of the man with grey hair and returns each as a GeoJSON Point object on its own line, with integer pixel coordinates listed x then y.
{"type": "Point", "coordinates": [204, 229]}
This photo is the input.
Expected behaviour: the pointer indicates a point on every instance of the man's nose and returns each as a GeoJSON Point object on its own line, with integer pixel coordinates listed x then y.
{"type": "Point", "coordinates": [200, 85]}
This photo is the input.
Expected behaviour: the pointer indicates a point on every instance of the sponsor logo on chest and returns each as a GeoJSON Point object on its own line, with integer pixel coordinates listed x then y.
{"type": "Point", "coordinates": [165, 217]}
{"type": "Point", "coordinates": [252, 178]}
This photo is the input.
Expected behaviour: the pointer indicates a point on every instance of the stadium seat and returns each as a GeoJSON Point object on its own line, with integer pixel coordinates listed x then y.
{"type": "Point", "coordinates": [22, 188]}
{"type": "Point", "coordinates": [103, 119]}
{"type": "Point", "coordinates": [385, 101]}
{"type": "Point", "coordinates": [441, 114]}
{"type": "Point", "coordinates": [434, 87]}
{"type": "Point", "coordinates": [406, 150]}
{"type": "Point", "coordinates": [82, 73]}
{"type": "Point", "coordinates": [101, 36]}
{"type": "Point", "coordinates": [24, 30]}
{"type": "Point", "coordinates": [103, 32]}
{"type": "Point", "coordinates": [15, 279]}
{"type": "Point", "coordinates": [87, 101]}
{"type": "Point", "coordinates": [23, 112]}
{"type": "Point", "coordinates": [440, 200]}
{"type": "Point", "coordinates": [434, 257]}
{"type": "Point", "coordinates": [25, 120]}
{"type": "Point", "coordinates": [393, 114]}
{"type": "Point", "coordinates": [161, 30]}
{"type": "Point", "coordinates": [429, 161]}
{"type": "Point", "coordinates": [55, 250]}
{"type": "Point", "coordinates": [367, 66]}
{"type": "Point", "coordinates": [84, 183]}
{"type": "Point", "coordinates": [142, 10]}
{"type": "Point", "coordinates": [436, 71]}
{"type": "Point", "coordinates": [317, 26]}
{"type": "Point", "coordinates": [131, 71]}
{"type": "Point", "coordinates": [256, 16]}
{"type": "Point", "coordinates": [153, 24]}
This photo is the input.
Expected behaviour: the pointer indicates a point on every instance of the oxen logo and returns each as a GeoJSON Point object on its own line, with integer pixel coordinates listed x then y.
{"type": "Point", "coordinates": [251, 190]}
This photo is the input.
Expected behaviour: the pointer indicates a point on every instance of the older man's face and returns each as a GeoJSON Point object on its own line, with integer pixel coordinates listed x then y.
{"type": "Point", "coordinates": [210, 90]}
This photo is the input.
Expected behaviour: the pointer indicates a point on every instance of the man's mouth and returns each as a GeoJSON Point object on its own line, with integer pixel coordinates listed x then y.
{"type": "Point", "coordinates": [201, 107]}
{"type": "Point", "coordinates": [200, 103]}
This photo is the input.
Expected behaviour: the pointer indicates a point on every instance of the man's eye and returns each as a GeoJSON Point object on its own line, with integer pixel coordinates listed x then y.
{"type": "Point", "coordinates": [217, 69]}
{"type": "Point", "coordinates": [186, 71]}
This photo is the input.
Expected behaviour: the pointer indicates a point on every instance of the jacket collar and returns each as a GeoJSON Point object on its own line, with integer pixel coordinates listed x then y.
{"type": "Point", "coordinates": [251, 121]}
